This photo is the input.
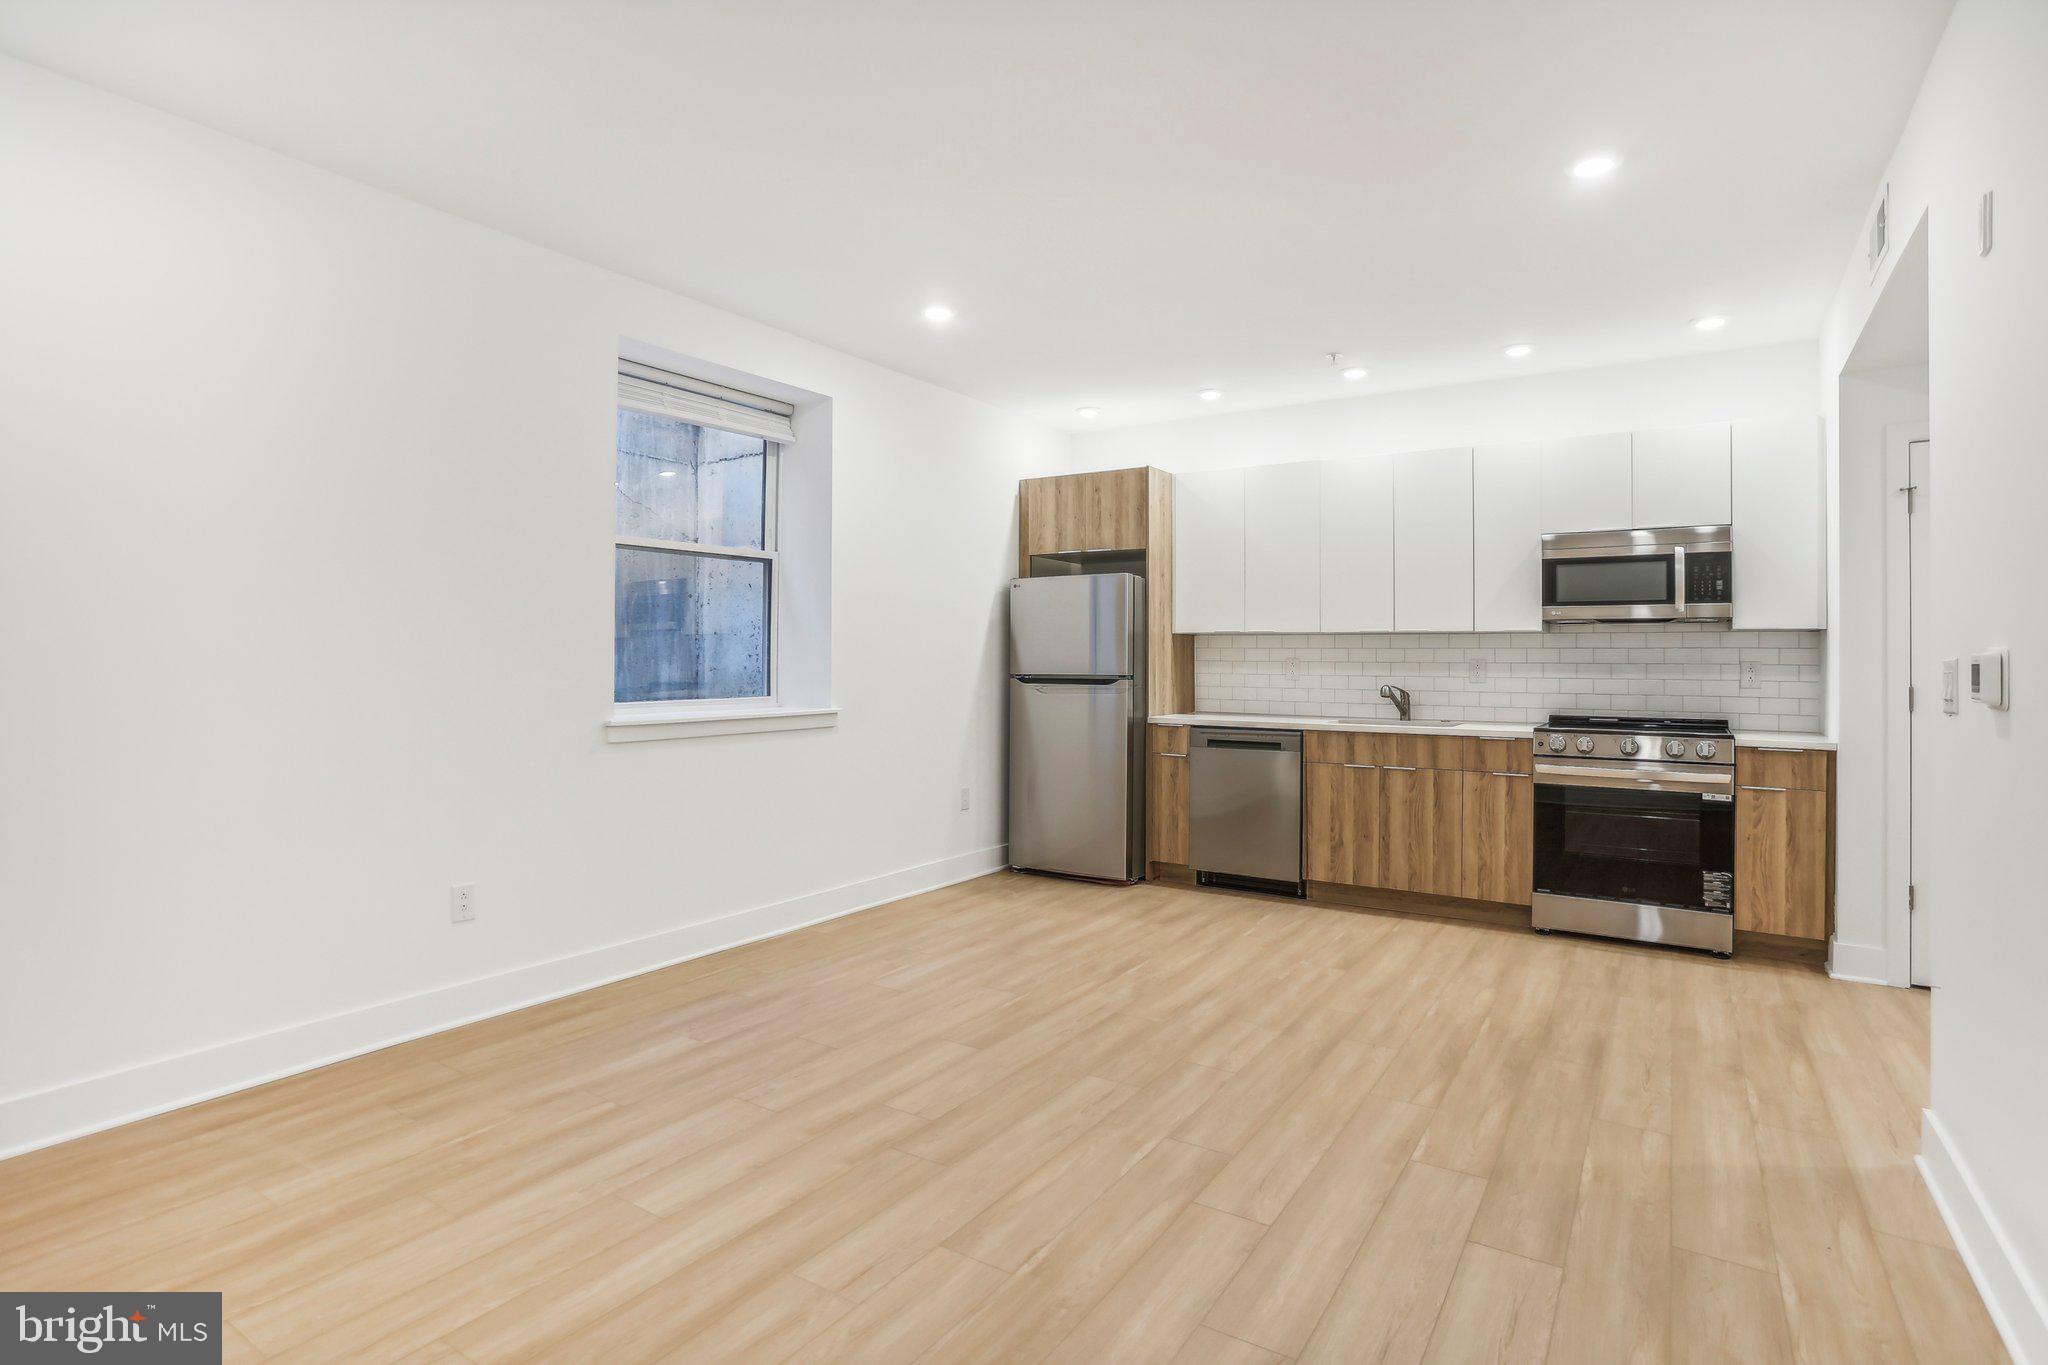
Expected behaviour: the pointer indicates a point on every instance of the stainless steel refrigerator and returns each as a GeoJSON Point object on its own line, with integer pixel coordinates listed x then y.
{"type": "Point", "coordinates": [1077, 725]}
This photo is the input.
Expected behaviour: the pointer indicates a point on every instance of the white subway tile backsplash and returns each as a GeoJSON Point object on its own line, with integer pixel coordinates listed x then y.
{"type": "Point", "coordinates": [1690, 668]}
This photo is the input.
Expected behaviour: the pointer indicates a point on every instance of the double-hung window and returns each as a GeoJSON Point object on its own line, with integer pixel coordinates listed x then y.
{"type": "Point", "coordinates": [694, 541]}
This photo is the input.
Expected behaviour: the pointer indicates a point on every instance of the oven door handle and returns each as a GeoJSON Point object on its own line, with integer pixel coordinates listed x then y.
{"type": "Point", "coordinates": [1637, 778]}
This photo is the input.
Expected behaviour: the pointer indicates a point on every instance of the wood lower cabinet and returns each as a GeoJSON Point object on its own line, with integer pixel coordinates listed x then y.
{"type": "Point", "coordinates": [1499, 839]}
{"type": "Point", "coordinates": [1166, 794]}
{"type": "Point", "coordinates": [1781, 862]}
{"type": "Point", "coordinates": [1444, 815]}
{"type": "Point", "coordinates": [1423, 830]}
{"type": "Point", "coordinates": [1340, 817]}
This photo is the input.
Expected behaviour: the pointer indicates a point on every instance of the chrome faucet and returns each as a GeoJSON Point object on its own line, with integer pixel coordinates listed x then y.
{"type": "Point", "coordinates": [1396, 695]}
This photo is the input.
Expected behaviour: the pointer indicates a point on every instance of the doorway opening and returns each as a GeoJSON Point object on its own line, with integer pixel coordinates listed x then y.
{"type": "Point", "coordinates": [1889, 648]}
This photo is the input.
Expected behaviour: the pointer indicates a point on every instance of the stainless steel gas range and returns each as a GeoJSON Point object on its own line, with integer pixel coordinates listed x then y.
{"type": "Point", "coordinates": [1635, 829]}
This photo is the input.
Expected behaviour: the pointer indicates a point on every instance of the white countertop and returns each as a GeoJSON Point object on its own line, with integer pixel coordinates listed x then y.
{"type": "Point", "coordinates": [1473, 729]}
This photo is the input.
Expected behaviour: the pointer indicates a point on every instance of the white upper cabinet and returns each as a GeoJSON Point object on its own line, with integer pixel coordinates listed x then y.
{"type": "Point", "coordinates": [1357, 516]}
{"type": "Point", "coordinates": [1681, 476]}
{"type": "Point", "coordinates": [1433, 540]}
{"type": "Point", "coordinates": [1282, 566]}
{"type": "Point", "coordinates": [1780, 539]}
{"type": "Point", "coordinates": [1588, 484]}
{"type": "Point", "coordinates": [1451, 540]}
{"type": "Point", "coordinates": [1208, 551]}
{"type": "Point", "coordinates": [1507, 537]}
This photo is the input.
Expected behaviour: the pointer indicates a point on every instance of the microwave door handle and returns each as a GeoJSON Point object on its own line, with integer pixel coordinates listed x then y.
{"type": "Point", "coordinates": [1678, 577]}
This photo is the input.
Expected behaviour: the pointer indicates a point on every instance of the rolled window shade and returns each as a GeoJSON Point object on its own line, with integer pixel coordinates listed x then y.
{"type": "Point", "coordinates": [705, 403]}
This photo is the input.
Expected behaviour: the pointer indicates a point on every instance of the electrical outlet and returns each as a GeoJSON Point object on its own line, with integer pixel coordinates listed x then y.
{"type": "Point", "coordinates": [1752, 675]}
{"type": "Point", "coordinates": [966, 798]}
{"type": "Point", "coordinates": [1475, 669]}
{"type": "Point", "coordinates": [1291, 666]}
{"type": "Point", "coordinates": [462, 903]}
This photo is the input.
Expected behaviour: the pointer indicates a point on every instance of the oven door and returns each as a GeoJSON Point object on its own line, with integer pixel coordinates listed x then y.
{"type": "Point", "coordinates": [1614, 585]}
{"type": "Point", "coordinates": [1644, 835]}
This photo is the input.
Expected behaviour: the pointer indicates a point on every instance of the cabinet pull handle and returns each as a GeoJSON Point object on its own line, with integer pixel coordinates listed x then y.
{"type": "Point", "coordinates": [1361, 765]}
{"type": "Point", "coordinates": [1775, 749]}
{"type": "Point", "coordinates": [1765, 789]}
{"type": "Point", "coordinates": [1167, 755]}
{"type": "Point", "coordinates": [1507, 774]}
{"type": "Point", "coordinates": [1399, 767]}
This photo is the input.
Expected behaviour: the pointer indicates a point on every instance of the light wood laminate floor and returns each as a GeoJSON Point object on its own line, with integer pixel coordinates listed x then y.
{"type": "Point", "coordinates": [1024, 1119]}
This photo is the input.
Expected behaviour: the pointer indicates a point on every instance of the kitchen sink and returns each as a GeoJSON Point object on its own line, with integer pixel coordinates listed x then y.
{"type": "Point", "coordinates": [1410, 724]}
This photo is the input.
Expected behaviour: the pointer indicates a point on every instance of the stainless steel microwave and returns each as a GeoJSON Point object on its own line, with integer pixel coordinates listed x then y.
{"type": "Point", "coordinates": [1668, 573]}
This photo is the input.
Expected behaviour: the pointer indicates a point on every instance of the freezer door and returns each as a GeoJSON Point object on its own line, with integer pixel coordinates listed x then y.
{"type": "Point", "coordinates": [1077, 626]}
{"type": "Point", "coordinates": [1075, 799]}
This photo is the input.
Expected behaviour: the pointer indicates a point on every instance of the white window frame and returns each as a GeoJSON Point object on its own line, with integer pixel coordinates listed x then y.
{"type": "Point", "coordinates": [698, 709]}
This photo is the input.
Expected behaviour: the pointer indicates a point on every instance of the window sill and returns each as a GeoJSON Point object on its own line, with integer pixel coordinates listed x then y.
{"type": "Point", "coordinates": [633, 726]}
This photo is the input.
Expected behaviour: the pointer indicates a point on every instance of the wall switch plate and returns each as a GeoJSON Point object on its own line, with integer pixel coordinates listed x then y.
{"type": "Point", "coordinates": [1752, 675]}
{"type": "Point", "coordinates": [462, 903]}
{"type": "Point", "coordinates": [1949, 702]}
{"type": "Point", "coordinates": [1291, 666]}
{"type": "Point", "coordinates": [1475, 669]}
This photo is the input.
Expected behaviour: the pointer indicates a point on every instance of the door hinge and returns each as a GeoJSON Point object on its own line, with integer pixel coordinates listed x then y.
{"type": "Point", "coordinates": [1910, 696]}
{"type": "Point", "coordinates": [1912, 898]}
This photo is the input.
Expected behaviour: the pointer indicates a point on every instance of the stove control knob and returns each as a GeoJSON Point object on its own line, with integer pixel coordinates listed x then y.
{"type": "Point", "coordinates": [1706, 748]}
{"type": "Point", "coordinates": [1585, 743]}
{"type": "Point", "coordinates": [1629, 746]}
{"type": "Point", "coordinates": [1674, 748]}
{"type": "Point", "coordinates": [1557, 744]}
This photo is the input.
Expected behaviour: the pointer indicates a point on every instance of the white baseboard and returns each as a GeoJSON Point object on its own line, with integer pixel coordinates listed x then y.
{"type": "Point", "coordinates": [87, 1106]}
{"type": "Point", "coordinates": [1864, 962]}
{"type": "Point", "coordinates": [2016, 1304]}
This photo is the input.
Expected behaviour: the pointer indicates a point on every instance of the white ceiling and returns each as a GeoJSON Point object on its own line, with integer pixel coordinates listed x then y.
{"type": "Point", "coordinates": [1125, 200]}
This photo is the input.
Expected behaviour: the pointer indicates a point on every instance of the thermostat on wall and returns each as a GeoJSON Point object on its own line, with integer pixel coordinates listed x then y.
{"type": "Point", "coordinates": [1987, 678]}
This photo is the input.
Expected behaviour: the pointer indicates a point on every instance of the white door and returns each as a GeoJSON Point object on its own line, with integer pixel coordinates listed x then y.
{"type": "Point", "coordinates": [1208, 551]}
{"type": "Point", "coordinates": [1357, 543]}
{"type": "Point", "coordinates": [1914, 701]}
{"type": "Point", "coordinates": [1282, 564]}
{"type": "Point", "coordinates": [1433, 540]}
{"type": "Point", "coordinates": [1588, 484]}
{"type": "Point", "coordinates": [1507, 537]}
{"type": "Point", "coordinates": [1926, 696]}
{"type": "Point", "coordinates": [1681, 476]}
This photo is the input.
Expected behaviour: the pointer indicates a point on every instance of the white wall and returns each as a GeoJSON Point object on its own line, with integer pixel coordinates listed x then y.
{"type": "Point", "coordinates": [1981, 122]}
{"type": "Point", "coordinates": [1765, 381]}
{"type": "Point", "coordinates": [305, 570]}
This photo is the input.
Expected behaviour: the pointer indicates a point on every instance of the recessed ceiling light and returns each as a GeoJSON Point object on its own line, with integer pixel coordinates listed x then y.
{"type": "Point", "coordinates": [1355, 372]}
{"type": "Point", "coordinates": [938, 313]}
{"type": "Point", "coordinates": [1517, 351]}
{"type": "Point", "coordinates": [1088, 414]}
{"type": "Point", "coordinates": [668, 473]}
{"type": "Point", "coordinates": [1209, 395]}
{"type": "Point", "coordinates": [1598, 166]}
{"type": "Point", "coordinates": [1713, 323]}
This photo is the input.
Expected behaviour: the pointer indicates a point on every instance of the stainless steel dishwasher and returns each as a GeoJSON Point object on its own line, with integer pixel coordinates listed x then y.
{"type": "Point", "coordinates": [1244, 809]}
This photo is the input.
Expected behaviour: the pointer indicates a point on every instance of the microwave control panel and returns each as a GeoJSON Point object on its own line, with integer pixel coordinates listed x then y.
{"type": "Point", "coordinates": [1710, 576]}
